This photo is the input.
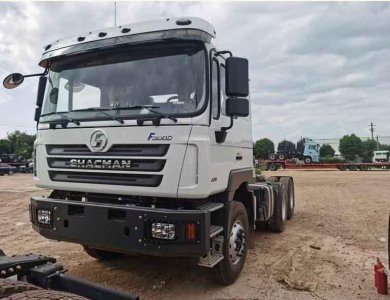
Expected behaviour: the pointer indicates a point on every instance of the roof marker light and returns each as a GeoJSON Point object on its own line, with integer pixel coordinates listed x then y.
{"type": "Point", "coordinates": [81, 38]}
{"type": "Point", "coordinates": [102, 34]}
{"type": "Point", "coordinates": [47, 47]}
{"type": "Point", "coordinates": [183, 22]}
{"type": "Point", "coordinates": [125, 30]}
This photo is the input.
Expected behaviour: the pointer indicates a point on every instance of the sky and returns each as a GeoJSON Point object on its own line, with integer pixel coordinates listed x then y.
{"type": "Point", "coordinates": [318, 70]}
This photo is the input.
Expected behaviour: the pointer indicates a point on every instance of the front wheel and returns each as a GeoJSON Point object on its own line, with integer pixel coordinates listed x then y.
{"type": "Point", "coordinates": [308, 160]}
{"type": "Point", "coordinates": [235, 245]}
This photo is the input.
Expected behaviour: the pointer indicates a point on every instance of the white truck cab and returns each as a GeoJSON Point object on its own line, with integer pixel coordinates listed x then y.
{"type": "Point", "coordinates": [145, 137]}
{"type": "Point", "coordinates": [380, 156]}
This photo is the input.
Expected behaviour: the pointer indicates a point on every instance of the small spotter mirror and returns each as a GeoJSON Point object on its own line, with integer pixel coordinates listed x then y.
{"type": "Point", "coordinates": [13, 80]}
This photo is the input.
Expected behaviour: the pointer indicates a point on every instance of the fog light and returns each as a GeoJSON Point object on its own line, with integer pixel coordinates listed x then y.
{"type": "Point", "coordinates": [44, 216]}
{"type": "Point", "coordinates": [163, 231]}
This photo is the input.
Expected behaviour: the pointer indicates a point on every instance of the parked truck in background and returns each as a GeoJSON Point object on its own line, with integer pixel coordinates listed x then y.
{"type": "Point", "coordinates": [306, 150]}
{"type": "Point", "coordinates": [144, 137]}
{"type": "Point", "coordinates": [380, 156]}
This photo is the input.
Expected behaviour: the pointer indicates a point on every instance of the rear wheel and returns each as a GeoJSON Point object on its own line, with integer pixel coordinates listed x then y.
{"type": "Point", "coordinates": [279, 219]}
{"type": "Point", "coordinates": [352, 168]}
{"type": "Point", "coordinates": [101, 254]}
{"type": "Point", "coordinates": [235, 246]}
{"type": "Point", "coordinates": [272, 156]}
{"type": "Point", "coordinates": [307, 159]}
{"type": "Point", "coordinates": [281, 156]}
{"type": "Point", "coordinates": [289, 188]}
{"type": "Point", "coordinates": [272, 167]}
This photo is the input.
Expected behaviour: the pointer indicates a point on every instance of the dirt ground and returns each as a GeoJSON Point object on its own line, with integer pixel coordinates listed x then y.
{"type": "Point", "coordinates": [326, 252]}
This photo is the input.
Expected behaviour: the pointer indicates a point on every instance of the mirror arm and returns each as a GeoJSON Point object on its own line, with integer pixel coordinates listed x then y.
{"type": "Point", "coordinates": [38, 74]}
{"type": "Point", "coordinates": [220, 136]}
{"type": "Point", "coordinates": [230, 126]}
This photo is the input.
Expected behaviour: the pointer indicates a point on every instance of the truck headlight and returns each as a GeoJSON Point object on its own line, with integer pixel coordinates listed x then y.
{"type": "Point", "coordinates": [163, 231]}
{"type": "Point", "coordinates": [44, 216]}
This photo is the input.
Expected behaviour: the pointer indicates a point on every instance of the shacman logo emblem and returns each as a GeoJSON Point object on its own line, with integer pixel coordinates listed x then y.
{"type": "Point", "coordinates": [98, 140]}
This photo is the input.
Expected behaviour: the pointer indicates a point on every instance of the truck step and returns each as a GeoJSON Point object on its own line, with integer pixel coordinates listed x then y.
{"type": "Point", "coordinates": [214, 230]}
{"type": "Point", "coordinates": [211, 206]}
{"type": "Point", "coordinates": [210, 260]}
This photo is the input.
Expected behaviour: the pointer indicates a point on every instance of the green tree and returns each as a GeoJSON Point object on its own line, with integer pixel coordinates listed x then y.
{"type": "Point", "coordinates": [326, 150]}
{"type": "Point", "coordinates": [21, 143]}
{"type": "Point", "coordinates": [263, 148]}
{"type": "Point", "coordinates": [5, 146]}
{"type": "Point", "coordinates": [351, 146]}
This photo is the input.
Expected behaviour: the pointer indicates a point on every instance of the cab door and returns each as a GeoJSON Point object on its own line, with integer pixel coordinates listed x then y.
{"type": "Point", "coordinates": [236, 151]}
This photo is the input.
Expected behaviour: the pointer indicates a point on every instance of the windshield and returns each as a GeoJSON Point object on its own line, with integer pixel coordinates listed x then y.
{"type": "Point", "coordinates": [127, 83]}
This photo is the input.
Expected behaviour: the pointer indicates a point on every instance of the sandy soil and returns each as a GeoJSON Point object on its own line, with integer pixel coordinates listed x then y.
{"type": "Point", "coordinates": [342, 214]}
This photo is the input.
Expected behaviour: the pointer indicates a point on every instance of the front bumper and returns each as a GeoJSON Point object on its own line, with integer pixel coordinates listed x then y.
{"type": "Point", "coordinates": [121, 228]}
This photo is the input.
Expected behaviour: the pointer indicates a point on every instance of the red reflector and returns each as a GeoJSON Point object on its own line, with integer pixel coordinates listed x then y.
{"type": "Point", "coordinates": [191, 232]}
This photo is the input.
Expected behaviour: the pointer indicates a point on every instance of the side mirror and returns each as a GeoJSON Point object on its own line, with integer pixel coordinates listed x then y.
{"type": "Point", "coordinates": [237, 107]}
{"type": "Point", "coordinates": [37, 115]}
{"type": "Point", "coordinates": [41, 90]}
{"type": "Point", "coordinates": [237, 77]}
{"type": "Point", "coordinates": [13, 80]}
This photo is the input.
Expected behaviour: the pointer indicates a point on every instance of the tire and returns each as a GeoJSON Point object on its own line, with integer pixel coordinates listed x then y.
{"type": "Point", "coordinates": [272, 156]}
{"type": "Point", "coordinates": [279, 219]}
{"type": "Point", "coordinates": [44, 295]}
{"type": "Point", "coordinates": [289, 188]}
{"type": "Point", "coordinates": [101, 254]}
{"type": "Point", "coordinates": [363, 168]}
{"type": "Point", "coordinates": [342, 168]}
{"type": "Point", "coordinates": [281, 156]}
{"type": "Point", "coordinates": [307, 159]}
{"type": "Point", "coordinates": [272, 167]}
{"type": "Point", "coordinates": [10, 172]}
{"type": "Point", "coordinates": [228, 270]}
{"type": "Point", "coordinates": [353, 168]}
{"type": "Point", "coordinates": [9, 287]}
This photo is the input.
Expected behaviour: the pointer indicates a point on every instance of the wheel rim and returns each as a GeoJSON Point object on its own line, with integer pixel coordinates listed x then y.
{"type": "Point", "coordinates": [307, 160]}
{"type": "Point", "coordinates": [237, 242]}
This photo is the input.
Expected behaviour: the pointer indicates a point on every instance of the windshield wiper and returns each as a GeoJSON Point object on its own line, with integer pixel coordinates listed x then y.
{"type": "Point", "coordinates": [101, 110]}
{"type": "Point", "coordinates": [64, 118]}
{"type": "Point", "coordinates": [149, 108]}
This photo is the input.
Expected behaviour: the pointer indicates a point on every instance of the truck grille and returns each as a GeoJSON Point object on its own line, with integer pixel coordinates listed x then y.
{"type": "Point", "coordinates": [63, 159]}
{"type": "Point", "coordinates": [104, 178]}
{"type": "Point", "coordinates": [145, 165]}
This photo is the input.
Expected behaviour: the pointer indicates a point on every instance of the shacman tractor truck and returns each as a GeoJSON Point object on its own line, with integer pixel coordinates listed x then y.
{"type": "Point", "coordinates": [144, 136]}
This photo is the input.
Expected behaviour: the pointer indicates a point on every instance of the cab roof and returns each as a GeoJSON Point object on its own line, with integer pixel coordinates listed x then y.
{"type": "Point", "coordinates": [127, 34]}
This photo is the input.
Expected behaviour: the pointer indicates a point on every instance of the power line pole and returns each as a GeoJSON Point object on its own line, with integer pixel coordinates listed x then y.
{"type": "Point", "coordinates": [372, 129]}
{"type": "Point", "coordinates": [377, 143]}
